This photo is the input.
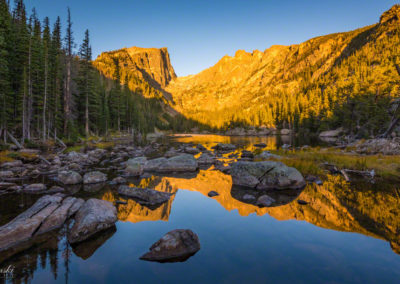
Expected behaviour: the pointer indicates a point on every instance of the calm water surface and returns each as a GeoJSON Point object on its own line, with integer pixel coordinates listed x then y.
{"type": "Point", "coordinates": [348, 233]}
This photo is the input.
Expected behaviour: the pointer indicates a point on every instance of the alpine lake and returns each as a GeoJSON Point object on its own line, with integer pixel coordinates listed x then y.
{"type": "Point", "coordinates": [344, 232]}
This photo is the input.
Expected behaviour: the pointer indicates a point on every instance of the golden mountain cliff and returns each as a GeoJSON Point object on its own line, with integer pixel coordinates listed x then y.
{"type": "Point", "coordinates": [282, 85]}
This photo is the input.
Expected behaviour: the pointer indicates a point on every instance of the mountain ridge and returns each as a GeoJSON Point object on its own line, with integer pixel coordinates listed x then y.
{"type": "Point", "coordinates": [309, 84]}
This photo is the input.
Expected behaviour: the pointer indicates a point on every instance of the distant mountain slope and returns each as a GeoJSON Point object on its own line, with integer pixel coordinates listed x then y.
{"type": "Point", "coordinates": [285, 85]}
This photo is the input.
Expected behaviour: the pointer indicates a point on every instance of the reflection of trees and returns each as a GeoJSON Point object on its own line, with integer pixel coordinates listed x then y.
{"type": "Point", "coordinates": [339, 206]}
{"type": "Point", "coordinates": [25, 263]}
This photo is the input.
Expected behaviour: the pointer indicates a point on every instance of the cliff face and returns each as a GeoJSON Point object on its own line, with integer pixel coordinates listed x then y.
{"type": "Point", "coordinates": [140, 68]}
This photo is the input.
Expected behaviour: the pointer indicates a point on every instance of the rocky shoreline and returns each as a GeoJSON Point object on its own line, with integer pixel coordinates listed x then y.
{"type": "Point", "coordinates": [259, 171]}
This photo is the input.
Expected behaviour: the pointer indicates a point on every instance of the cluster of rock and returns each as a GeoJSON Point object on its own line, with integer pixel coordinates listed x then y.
{"type": "Point", "coordinates": [51, 212]}
{"type": "Point", "coordinates": [378, 146]}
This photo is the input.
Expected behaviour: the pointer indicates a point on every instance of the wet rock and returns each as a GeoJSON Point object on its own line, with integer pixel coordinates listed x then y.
{"type": "Point", "coordinates": [266, 175]}
{"type": "Point", "coordinates": [177, 245]}
{"type": "Point", "coordinates": [69, 177]}
{"type": "Point", "coordinates": [213, 193]}
{"type": "Point", "coordinates": [192, 151]}
{"type": "Point", "coordinates": [206, 159]}
{"type": "Point", "coordinates": [118, 180]}
{"type": "Point", "coordinates": [35, 188]}
{"type": "Point", "coordinates": [75, 207]}
{"type": "Point", "coordinates": [58, 216]}
{"type": "Point", "coordinates": [260, 145]}
{"type": "Point", "coordinates": [225, 147]}
{"type": "Point", "coordinates": [94, 177]}
{"type": "Point", "coordinates": [6, 174]}
{"type": "Point", "coordinates": [267, 155]}
{"type": "Point", "coordinates": [265, 201]}
{"type": "Point", "coordinates": [95, 215]}
{"type": "Point", "coordinates": [22, 228]}
{"type": "Point", "coordinates": [181, 163]}
{"type": "Point", "coordinates": [145, 196]}
{"type": "Point", "coordinates": [135, 166]}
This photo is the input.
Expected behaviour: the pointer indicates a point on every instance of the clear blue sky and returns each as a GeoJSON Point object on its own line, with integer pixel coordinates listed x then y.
{"type": "Point", "coordinates": [199, 32]}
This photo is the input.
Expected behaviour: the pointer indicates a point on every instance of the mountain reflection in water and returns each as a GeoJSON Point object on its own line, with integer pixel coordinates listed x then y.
{"type": "Point", "coordinates": [336, 205]}
{"type": "Point", "coordinates": [367, 209]}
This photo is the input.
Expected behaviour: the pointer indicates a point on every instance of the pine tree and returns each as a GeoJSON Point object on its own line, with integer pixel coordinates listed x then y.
{"type": "Point", "coordinates": [85, 80]}
{"type": "Point", "coordinates": [5, 30]}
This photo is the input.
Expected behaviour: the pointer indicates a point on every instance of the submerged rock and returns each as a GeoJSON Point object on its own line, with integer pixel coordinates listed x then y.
{"type": "Point", "coordinates": [265, 201]}
{"type": "Point", "coordinates": [94, 177]}
{"type": "Point", "coordinates": [69, 177]}
{"type": "Point", "coordinates": [94, 216]}
{"type": "Point", "coordinates": [213, 193]}
{"type": "Point", "coordinates": [146, 196]}
{"type": "Point", "coordinates": [177, 245]}
{"type": "Point", "coordinates": [266, 175]}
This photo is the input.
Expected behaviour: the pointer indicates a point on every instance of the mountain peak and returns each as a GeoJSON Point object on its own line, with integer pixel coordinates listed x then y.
{"type": "Point", "coordinates": [393, 14]}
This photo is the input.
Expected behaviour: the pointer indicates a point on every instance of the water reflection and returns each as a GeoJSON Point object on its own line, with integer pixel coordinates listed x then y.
{"type": "Point", "coordinates": [370, 210]}
{"type": "Point", "coordinates": [247, 142]}
{"type": "Point", "coordinates": [335, 205]}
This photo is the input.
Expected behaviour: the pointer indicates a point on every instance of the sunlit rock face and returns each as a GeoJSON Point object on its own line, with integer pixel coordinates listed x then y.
{"type": "Point", "coordinates": [138, 66]}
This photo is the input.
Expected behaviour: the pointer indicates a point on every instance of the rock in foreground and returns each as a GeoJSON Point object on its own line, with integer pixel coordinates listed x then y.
{"type": "Point", "coordinates": [266, 175]}
{"type": "Point", "coordinates": [94, 177]}
{"type": "Point", "coordinates": [48, 213]}
{"type": "Point", "coordinates": [69, 177]}
{"type": "Point", "coordinates": [175, 246]}
{"type": "Point", "coordinates": [146, 196]}
{"type": "Point", "coordinates": [94, 216]}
